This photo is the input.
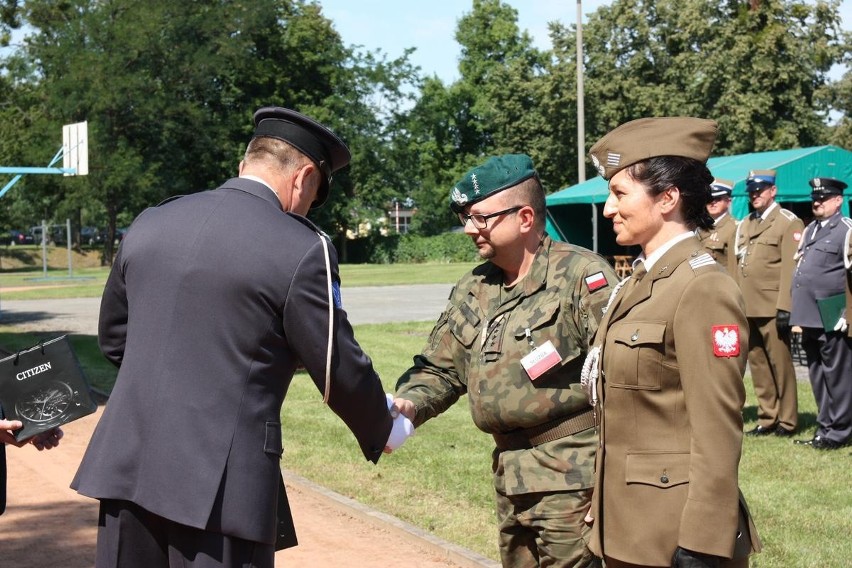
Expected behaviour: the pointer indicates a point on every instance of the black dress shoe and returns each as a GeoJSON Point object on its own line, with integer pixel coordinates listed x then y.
{"type": "Point", "coordinates": [821, 443]}
{"type": "Point", "coordinates": [783, 432]}
{"type": "Point", "coordinates": [762, 430]}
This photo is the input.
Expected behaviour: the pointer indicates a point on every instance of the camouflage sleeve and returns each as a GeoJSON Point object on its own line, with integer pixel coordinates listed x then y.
{"type": "Point", "coordinates": [594, 295]}
{"type": "Point", "coordinates": [433, 383]}
{"type": "Point", "coordinates": [789, 246]}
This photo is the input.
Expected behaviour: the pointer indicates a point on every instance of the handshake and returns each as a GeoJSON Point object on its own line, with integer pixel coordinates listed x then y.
{"type": "Point", "coordinates": [402, 427]}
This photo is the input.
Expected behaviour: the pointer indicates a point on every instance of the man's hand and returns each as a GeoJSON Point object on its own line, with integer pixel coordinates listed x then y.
{"type": "Point", "coordinates": [841, 325]}
{"type": "Point", "coordinates": [44, 441]}
{"type": "Point", "coordinates": [402, 426]}
{"type": "Point", "coordinates": [782, 323]}
{"type": "Point", "coordinates": [6, 429]}
{"type": "Point", "coordinates": [47, 440]}
{"type": "Point", "coordinates": [684, 558]}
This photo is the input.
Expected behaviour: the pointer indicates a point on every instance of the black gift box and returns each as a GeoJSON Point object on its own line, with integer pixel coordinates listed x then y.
{"type": "Point", "coordinates": [44, 387]}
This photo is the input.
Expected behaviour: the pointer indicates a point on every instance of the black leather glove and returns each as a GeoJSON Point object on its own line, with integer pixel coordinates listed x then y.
{"type": "Point", "coordinates": [684, 558]}
{"type": "Point", "coordinates": [782, 323]}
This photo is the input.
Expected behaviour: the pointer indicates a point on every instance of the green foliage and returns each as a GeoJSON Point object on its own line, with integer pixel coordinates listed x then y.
{"type": "Point", "coordinates": [755, 67]}
{"type": "Point", "coordinates": [169, 88]}
{"type": "Point", "coordinates": [412, 248]}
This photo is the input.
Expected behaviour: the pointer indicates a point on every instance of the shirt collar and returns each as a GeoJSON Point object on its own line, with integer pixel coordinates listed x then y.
{"type": "Point", "coordinates": [657, 254]}
{"type": "Point", "coordinates": [260, 180]}
{"type": "Point", "coordinates": [769, 210]}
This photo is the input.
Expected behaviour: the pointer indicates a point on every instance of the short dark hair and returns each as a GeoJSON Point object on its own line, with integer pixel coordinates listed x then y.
{"type": "Point", "coordinates": [690, 176]}
{"type": "Point", "coordinates": [530, 192]}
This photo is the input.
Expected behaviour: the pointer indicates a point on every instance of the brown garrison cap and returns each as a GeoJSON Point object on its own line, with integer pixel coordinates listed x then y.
{"type": "Point", "coordinates": [645, 138]}
{"type": "Point", "coordinates": [311, 138]}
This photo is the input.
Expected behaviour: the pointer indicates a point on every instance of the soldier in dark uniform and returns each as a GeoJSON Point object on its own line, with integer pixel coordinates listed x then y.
{"type": "Point", "coordinates": [821, 273]}
{"type": "Point", "coordinates": [766, 243]}
{"type": "Point", "coordinates": [513, 337]}
{"type": "Point", "coordinates": [208, 322]}
{"type": "Point", "coordinates": [719, 241]}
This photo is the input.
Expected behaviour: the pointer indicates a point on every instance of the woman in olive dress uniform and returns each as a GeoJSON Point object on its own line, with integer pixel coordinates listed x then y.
{"type": "Point", "coordinates": [666, 372]}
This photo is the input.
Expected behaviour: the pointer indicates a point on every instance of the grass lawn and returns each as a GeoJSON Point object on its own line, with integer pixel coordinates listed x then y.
{"type": "Point", "coordinates": [440, 480]}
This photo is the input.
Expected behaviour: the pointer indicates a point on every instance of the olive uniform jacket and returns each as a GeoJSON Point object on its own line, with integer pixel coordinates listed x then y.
{"type": "Point", "coordinates": [213, 301]}
{"type": "Point", "coordinates": [719, 242]}
{"type": "Point", "coordinates": [671, 394]}
{"type": "Point", "coordinates": [766, 251]}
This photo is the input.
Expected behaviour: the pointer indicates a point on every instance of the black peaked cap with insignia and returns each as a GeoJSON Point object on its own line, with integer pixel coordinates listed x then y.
{"type": "Point", "coordinates": [646, 138]}
{"type": "Point", "coordinates": [826, 186]}
{"type": "Point", "coordinates": [311, 138]}
{"type": "Point", "coordinates": [495, 175]}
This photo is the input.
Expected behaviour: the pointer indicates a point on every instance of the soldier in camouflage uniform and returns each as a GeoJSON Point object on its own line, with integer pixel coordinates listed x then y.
{"type": "Point", "coordinates": [513, 337]}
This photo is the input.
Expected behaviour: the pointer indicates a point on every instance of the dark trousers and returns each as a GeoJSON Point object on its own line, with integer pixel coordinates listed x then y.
{"type": "Point", "coordinates": [131, 537]}
{"type": "Point", "coordinates": [829, 357]}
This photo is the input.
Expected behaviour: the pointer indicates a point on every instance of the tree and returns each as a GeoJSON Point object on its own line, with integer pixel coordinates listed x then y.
{"type": "Point", "coordinates": [169, 90]}
{"type": "Point", "coordinates": [756, 68]}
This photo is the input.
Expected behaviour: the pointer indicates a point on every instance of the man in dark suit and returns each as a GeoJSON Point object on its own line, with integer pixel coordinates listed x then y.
{"type": "Point", "coordinates": [213, 302]}
{"type": "Point", "coordinates": [822, 273]}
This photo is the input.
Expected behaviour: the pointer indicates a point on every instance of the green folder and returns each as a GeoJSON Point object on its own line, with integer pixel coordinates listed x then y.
{"type": "Point", "coordinates": [831, 309]}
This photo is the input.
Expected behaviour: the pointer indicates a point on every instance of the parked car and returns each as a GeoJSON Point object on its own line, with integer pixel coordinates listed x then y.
{"type": "Point", "coordinates": [13, 238]}
{"type": "Point", "coordinates": [56, 234]}
{"type": "Point", "coordinates": [92, 236]}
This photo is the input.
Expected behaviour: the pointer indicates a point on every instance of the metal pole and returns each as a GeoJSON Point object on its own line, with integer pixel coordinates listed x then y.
{"type": "Point", "coordinates": [44, 247]}
{"type": "Point", "coordinates": [594, 227]}
{"type": "Point", "coordinates": [68, 243]}
{"type": "Point", "coordinates": [581, 121]}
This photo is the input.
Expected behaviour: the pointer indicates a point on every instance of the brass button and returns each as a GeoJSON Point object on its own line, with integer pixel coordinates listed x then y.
{"type": "Point", "coordinates": [635, 335]}
{"type": "Point", "coordinates": [664, 478]}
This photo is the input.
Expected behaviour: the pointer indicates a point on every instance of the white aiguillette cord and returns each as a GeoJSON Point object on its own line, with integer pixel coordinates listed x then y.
{"type": "Point", "coordinates": [327, 392]}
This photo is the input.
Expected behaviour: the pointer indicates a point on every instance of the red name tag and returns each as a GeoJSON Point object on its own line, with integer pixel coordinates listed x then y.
{"type": "Point", "coordinates": [541, 360]}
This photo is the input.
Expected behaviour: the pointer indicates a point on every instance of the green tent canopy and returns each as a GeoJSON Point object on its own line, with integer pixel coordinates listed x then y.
{"type": "Point", "coordinates": [576, 213]}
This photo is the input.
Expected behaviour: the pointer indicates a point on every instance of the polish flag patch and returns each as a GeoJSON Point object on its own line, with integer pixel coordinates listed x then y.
{"type": "Point", "coordinates": [596, 281]}
{"type": "Point", "coordinates": [726, 340]}
{"type": "Point", "coordinates": [797, 236]}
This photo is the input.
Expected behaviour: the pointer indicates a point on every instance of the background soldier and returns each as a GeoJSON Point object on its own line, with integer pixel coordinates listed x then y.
{"type": "Point", "coordinates": [513, 337]}
{"type": "Point", "coordinates": [719, 241]}
{"type": "Point", "coordinates": [821, 273]}
{"type": "Point", "coordinates": [766, 243]}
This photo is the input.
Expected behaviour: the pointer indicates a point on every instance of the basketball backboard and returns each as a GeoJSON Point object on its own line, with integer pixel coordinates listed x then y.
{"type": "Point", "coordinates": [75, 148]}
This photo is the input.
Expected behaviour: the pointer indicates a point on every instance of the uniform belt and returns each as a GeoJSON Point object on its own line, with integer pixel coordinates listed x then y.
{"type": "Point", "coordinates": [525, 438]}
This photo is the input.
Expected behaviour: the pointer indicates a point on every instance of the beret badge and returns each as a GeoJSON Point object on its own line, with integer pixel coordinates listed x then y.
{"type": "Point", "coordinates": [459, 197]}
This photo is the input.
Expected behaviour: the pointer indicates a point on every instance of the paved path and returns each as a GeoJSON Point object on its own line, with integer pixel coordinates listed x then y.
{"type": "Point", "coordinates": [380, 304]}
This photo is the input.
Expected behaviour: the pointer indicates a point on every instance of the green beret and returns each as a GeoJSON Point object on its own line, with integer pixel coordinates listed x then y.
{"type": "Point", "coordinates": [645, 138]}
{"type": "Point", "coordinates": [495, 175]}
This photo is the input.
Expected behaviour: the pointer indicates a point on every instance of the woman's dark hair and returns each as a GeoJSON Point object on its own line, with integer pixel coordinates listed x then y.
{"type": "Point", "coordinates": [690, 176]}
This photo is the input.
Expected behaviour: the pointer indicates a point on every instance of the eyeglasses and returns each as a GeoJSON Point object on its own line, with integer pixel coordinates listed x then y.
{"type": "Point", "coordinates": [481, 221]}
